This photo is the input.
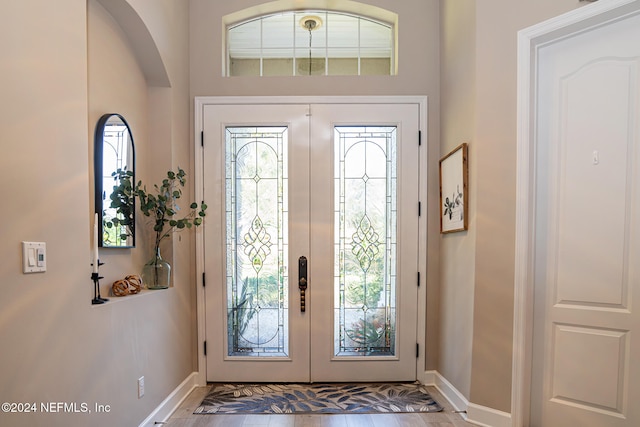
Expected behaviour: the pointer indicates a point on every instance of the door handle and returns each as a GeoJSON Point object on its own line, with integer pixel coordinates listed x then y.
{"type": "Point", "coordinates": [302, 280]}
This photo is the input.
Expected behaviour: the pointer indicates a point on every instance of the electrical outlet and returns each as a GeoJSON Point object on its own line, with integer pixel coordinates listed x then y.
{"type": "Point", "coordinates": [140, 387]}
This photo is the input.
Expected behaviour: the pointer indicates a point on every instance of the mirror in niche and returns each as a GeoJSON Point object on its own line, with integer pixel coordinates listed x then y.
{"type": "Point", "coordinates": [114, 168]}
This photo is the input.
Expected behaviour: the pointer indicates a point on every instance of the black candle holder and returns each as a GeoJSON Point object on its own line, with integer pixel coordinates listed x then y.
{"type": "Point", "coordinates": [97, 299]}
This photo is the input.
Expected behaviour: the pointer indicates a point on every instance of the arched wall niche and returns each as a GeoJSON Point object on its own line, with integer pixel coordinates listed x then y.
{"type": "Point", "coordinates": [144, 96]}
{"type": "Point", "coordinates": [142, 43]}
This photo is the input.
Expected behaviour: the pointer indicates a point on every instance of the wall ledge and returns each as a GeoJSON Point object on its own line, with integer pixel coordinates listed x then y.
{"type": "Point", "coordinates": [142, 294]}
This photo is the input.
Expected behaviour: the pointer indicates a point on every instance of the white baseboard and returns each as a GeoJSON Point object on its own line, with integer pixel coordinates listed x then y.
{"type": "Point", "coordinates": [172, 402]}
{"type": "Point", "coordinates": [455, 398]}
{"type": "Point", "coordinates": [475, 414]}
{"type": "Point", "coordinates": [487, 417]}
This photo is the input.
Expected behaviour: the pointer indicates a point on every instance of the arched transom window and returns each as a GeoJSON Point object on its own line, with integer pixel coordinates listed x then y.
{"type": "Point", "coordinates": [310, 42]}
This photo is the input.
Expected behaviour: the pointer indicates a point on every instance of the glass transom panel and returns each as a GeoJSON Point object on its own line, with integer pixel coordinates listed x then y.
{"type": "Point", "coordinates": [365, 181]}
{"type": "Point", "coordinates": [278, 44]}
{"type": "Point", "coordinates": [256, 241]}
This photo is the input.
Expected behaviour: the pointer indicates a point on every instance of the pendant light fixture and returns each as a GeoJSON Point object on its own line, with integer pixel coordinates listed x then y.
{"type": "Point", "coordinates": [310, 23]}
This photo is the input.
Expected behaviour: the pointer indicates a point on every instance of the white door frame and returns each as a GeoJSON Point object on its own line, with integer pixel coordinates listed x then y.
{"type": "Point", "coordinates": [201, 101]}
{"type": "Point", "coordinates": [530, 40]}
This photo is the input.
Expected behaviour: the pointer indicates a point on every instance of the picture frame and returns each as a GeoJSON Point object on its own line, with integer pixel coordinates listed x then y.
{"type": "Point", "coordinates": [454, 195]}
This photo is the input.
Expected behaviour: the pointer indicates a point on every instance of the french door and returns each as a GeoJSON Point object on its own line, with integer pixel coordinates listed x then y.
{"type": "Point", "coordinates": [311, 242]}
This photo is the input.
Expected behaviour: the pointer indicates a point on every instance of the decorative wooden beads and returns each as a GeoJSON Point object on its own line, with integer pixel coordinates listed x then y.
{"type": "Point", "coordinates": [135, 283]}
{"type": "Point", "coordinates": [132, 284]}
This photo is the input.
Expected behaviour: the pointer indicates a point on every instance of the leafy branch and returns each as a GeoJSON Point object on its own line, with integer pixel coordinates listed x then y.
{"type": "Point", "coordinates": [163, 208]}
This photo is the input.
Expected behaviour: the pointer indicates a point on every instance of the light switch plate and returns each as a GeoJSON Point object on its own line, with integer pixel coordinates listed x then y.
{"type": "Point", "coordinates": [34, 257]}
{"type": "Point", "coordinates": [140, 387]}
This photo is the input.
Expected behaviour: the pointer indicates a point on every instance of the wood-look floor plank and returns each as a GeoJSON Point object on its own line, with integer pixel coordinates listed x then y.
{"type": "Point", "coordinates": [358, 420]}
{"type": "Point", "coordinates": [384, 420]}
{"type": "Point", "coordinates": [282, 421]}
{"type": "Point", "coordinates": [307, 420]}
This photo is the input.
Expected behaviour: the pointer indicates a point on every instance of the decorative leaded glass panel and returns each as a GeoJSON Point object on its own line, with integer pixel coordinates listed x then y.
{"type": "Point", "coordinates": [365, 241]}
{"type": "Point", "coordinates": [256, 242]}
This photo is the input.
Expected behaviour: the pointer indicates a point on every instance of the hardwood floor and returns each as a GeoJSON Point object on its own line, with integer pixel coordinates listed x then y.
{"type": "Point", "coordinates": [184, 417]}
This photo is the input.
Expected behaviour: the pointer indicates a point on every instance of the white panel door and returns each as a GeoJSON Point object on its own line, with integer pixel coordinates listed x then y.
{"type": "Point", "coordinates": [585, 370]}
{"type": "Point", "coordinates": [337, 185]}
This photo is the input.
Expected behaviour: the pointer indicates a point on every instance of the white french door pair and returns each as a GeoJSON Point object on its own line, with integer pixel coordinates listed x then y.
{"type": "Point", "coordinates": [311, 241]}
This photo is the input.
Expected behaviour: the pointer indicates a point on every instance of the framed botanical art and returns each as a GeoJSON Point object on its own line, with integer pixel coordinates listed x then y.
{"type": "Point", "coordinates": [453, 190]}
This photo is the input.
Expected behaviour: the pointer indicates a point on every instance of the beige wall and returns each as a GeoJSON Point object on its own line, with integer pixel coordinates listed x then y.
{"type": "Point", "coordinates": [457, 250]}
{"type": "Point", "coordinates": [497, 23]}
{"type": "Point", "coordinates": [56, 346]}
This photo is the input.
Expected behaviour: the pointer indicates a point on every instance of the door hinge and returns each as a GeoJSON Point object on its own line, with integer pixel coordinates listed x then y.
{"type": "Point", "coordinates": [205, 348]}
{"type": "Point", "coordinates": [204, 281]}
{"type": "Point", "coordinates": [417, 350]}
{"type": "Point", "coordinates": [202, 138]}
{"type": "Point", "coordinates": [419, 137]}
{"type": "Point", "coordinates": [418, 279]}
{"type": "Point", "coordinates": [419, 208]}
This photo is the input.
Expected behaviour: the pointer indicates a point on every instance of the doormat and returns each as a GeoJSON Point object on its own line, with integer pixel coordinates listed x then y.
{"type": "Point", "coordinates": [317, 398]}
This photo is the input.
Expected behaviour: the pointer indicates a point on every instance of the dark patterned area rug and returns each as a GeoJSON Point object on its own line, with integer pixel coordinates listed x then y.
{"type": "Point", "coordinates": [317, 398]}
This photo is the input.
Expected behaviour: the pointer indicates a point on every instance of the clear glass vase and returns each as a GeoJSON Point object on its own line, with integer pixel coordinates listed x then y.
{"type": "Point", "coordinates": [156, 274]}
